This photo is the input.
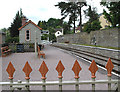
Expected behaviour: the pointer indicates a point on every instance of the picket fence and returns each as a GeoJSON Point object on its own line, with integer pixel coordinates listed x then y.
{"type": "Point", "coordinates": [60, 68]}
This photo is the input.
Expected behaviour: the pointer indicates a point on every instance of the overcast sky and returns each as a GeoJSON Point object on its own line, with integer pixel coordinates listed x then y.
{"type": "Point", "coordinates": [34, 10]}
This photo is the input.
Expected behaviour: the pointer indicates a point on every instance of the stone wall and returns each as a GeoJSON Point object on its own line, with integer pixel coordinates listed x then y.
{"type": "Point", "coordinates": [106, 38]}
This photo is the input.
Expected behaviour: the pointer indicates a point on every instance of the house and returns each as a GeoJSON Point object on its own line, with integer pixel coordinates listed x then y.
{"type": "Point", "coordinates": [45, 32]}
{"type": "Point", "coordinates": [59, 31]}
{"type": "Point", "coordinates": [29, 32]}
{"type": "Point", "coordinates": [2, 37]}
{"type": "Point", "coordinates": [77, 30]}
{"type": "Point", "coordinates": [104, 22]}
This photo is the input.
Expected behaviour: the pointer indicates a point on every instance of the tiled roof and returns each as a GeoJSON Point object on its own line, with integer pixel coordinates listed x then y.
{"type": "Point", "coordinates": [28, 23]}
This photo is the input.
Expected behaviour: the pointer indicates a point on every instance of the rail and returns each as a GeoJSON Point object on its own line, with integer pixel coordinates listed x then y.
{"type": "Point", "coordinates": [88, 56]}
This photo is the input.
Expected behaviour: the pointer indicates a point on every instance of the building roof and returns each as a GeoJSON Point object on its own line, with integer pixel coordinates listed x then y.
{"type": "Point", "coordinates": [100, 14]}
{"type": "Point", "coordinates": [28, 23]}
{"type": "Point", "coordinates": [78, 28]}
{"type": "Point", "coordinates": [59, 29]}
{"type": "Point", "coordinates": [45, 31]}
{"type": "Point", "coordinates": [2, 32]}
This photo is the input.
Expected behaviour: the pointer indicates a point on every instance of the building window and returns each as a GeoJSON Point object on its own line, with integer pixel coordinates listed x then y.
{"type": "Point", "coordinates": [27, 35]}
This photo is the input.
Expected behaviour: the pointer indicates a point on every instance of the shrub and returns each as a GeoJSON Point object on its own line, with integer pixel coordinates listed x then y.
{"type": "Point", "coordinates": [12, 39]}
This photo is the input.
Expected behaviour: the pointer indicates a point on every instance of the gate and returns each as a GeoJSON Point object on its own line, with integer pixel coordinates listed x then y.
{"type": "Point", "coordinates": [60, 68]}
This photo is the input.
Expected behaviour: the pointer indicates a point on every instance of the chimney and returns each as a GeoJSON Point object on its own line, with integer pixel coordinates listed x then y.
{"type": "Point", "coordinates": [24, 20]}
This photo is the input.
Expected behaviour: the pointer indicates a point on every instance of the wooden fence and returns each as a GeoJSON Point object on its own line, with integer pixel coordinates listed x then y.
{"type": "Point", "coordinates": [60, 68]}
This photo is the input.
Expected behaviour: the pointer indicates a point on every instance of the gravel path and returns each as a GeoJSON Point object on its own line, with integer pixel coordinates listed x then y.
{"type": "Point", "coordinates": [53, 55]}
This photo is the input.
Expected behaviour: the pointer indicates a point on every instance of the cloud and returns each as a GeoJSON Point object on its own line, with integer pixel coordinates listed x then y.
{"type": "Point", "coordinates": [34, 10]}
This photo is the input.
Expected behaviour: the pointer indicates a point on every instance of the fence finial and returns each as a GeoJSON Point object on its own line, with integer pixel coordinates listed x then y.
{"type": "Point", "coordinates": [27, 70]}
{"type": "Point", "coordinates": [76, 69]}
{"type": "Point", "coordinates": [43, 70]}
{"type": "Point", "coordinates": [10, 69]}
{"type": "Point", "coordinates": [109, 66]}
{"type": "Point", "coordinates": [93, 68]}
{"type": "Point", "coordinates": [60, 68]}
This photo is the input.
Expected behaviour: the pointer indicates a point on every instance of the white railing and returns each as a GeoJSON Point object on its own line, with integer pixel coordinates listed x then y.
{"type": "Point", "coordinates": [21, 84]}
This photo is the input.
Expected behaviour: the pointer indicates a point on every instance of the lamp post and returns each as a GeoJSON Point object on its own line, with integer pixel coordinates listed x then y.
{"type": "Point", "coordinates": [35, 44]}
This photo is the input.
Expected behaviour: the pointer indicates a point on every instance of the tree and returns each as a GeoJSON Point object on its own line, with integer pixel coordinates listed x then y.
{"type": "Point", "coordinates": [17, 23]}
{"type": "Point", "coordinates": [93, 22]}
{"type": "Point", "coordinates": [72, 9]}
{"type": "Point", "coordinates": [42, 24]}
{"type": "Point", "coordinates": [91, 14]}
{"type": "Point", "coordinates": [80, 5]}
{"type": "Point", "coordinates": [52, 24]}
{"type": "Point", "coordinates": [113, 16]}
{"type": "Point", "coordinates": [6, 30]}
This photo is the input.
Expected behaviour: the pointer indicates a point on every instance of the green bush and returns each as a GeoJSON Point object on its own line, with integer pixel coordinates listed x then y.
{"type": "Point", "coordinates": [12, 39]}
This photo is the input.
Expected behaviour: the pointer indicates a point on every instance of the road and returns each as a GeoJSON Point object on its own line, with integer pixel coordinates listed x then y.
{"type": "Point", "coordinates": [53, 55]}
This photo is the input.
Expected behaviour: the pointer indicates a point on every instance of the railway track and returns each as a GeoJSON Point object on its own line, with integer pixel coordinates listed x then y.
{"type": "Point", "coordinates": [99, 59]}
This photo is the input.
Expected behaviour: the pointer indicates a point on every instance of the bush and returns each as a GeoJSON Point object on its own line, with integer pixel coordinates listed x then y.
{"type": "Point", "coordinates": [12, 39]}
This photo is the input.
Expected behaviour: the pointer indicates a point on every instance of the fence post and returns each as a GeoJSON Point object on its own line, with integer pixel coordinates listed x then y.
{"type": "Point", "coordinates": [76, 69]}
{"type": "Point", "coordinates": [77, 86]}
{"type": "Point", "coordinates": [43, 70]}
{"type": "Point", "coordinates": [109, 84]}
{"type": "Point", "coordinates": [11, 87]}
{"type": "Point", "coordinates": [60, 68]}
{"type": "Point", "coordinates": [109, 66]}
{"type": "Point", "coordinates": [27, 86]}
{"type": "Point", "coordinates": [44, 87]}
{"type": "Point", "coordinates": [93, 68]}
{"type": "Point", "coordinates": [27, 70]}
{"type": "Point", "coordinates": [60, 86]}
{"type": "Point", "coordinates": [93, 85]}
{"type": "Point", "coordinates": [10, 69]}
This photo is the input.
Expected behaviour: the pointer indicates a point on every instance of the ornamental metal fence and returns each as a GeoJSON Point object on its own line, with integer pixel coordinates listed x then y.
{"type": "Point", "coordinates": [60, 68]}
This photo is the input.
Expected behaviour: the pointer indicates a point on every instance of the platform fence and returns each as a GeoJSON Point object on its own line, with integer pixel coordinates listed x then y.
{"type": "Point", "coordinates": [25, 85]}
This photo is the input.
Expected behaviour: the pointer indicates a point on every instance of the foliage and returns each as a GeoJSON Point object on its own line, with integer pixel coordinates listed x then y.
{"type": "Point", "coordinates": [52, 37]}
{"type": "Point", "coordinates": [72, 10]}
{"type": "Point", "coordinates": [93, 22]}
{"type": "Point", "coordinates": [51, 25]}
{"type": "Point", "coordinates": [91, 14]}
{"type": "Point", "coordinates": [53, 22]}
{"type": "Point", "coordinates": [44, 37]}
{"type": "Point", "coordinates": [6, 30]}
{"type": "Point", "coordinates": [95, 25]}
{"type": "Point", "coordinates": [12, 39]}
{"type": "Point", "coordinates": [42, 24]}
{"type": "Point", "coordinates": [113, 16]}
{"type": "Point", "coordinates": [17, 23]}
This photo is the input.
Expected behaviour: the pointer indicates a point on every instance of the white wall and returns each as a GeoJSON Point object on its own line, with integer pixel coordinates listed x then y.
{"type": "Point", "coordinates": [34, 33]}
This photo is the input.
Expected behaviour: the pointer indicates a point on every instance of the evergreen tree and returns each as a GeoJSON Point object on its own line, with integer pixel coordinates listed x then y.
{"type": "Point", "coordinates": [73, 10]}
{"type": "Point", "coordinates": [17, 23]}
{"type": "Point", "coordinates": [68, 9]}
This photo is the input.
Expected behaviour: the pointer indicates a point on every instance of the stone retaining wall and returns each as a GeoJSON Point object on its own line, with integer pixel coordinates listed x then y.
{"type": "Point", "coordinates": [105, 38]}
